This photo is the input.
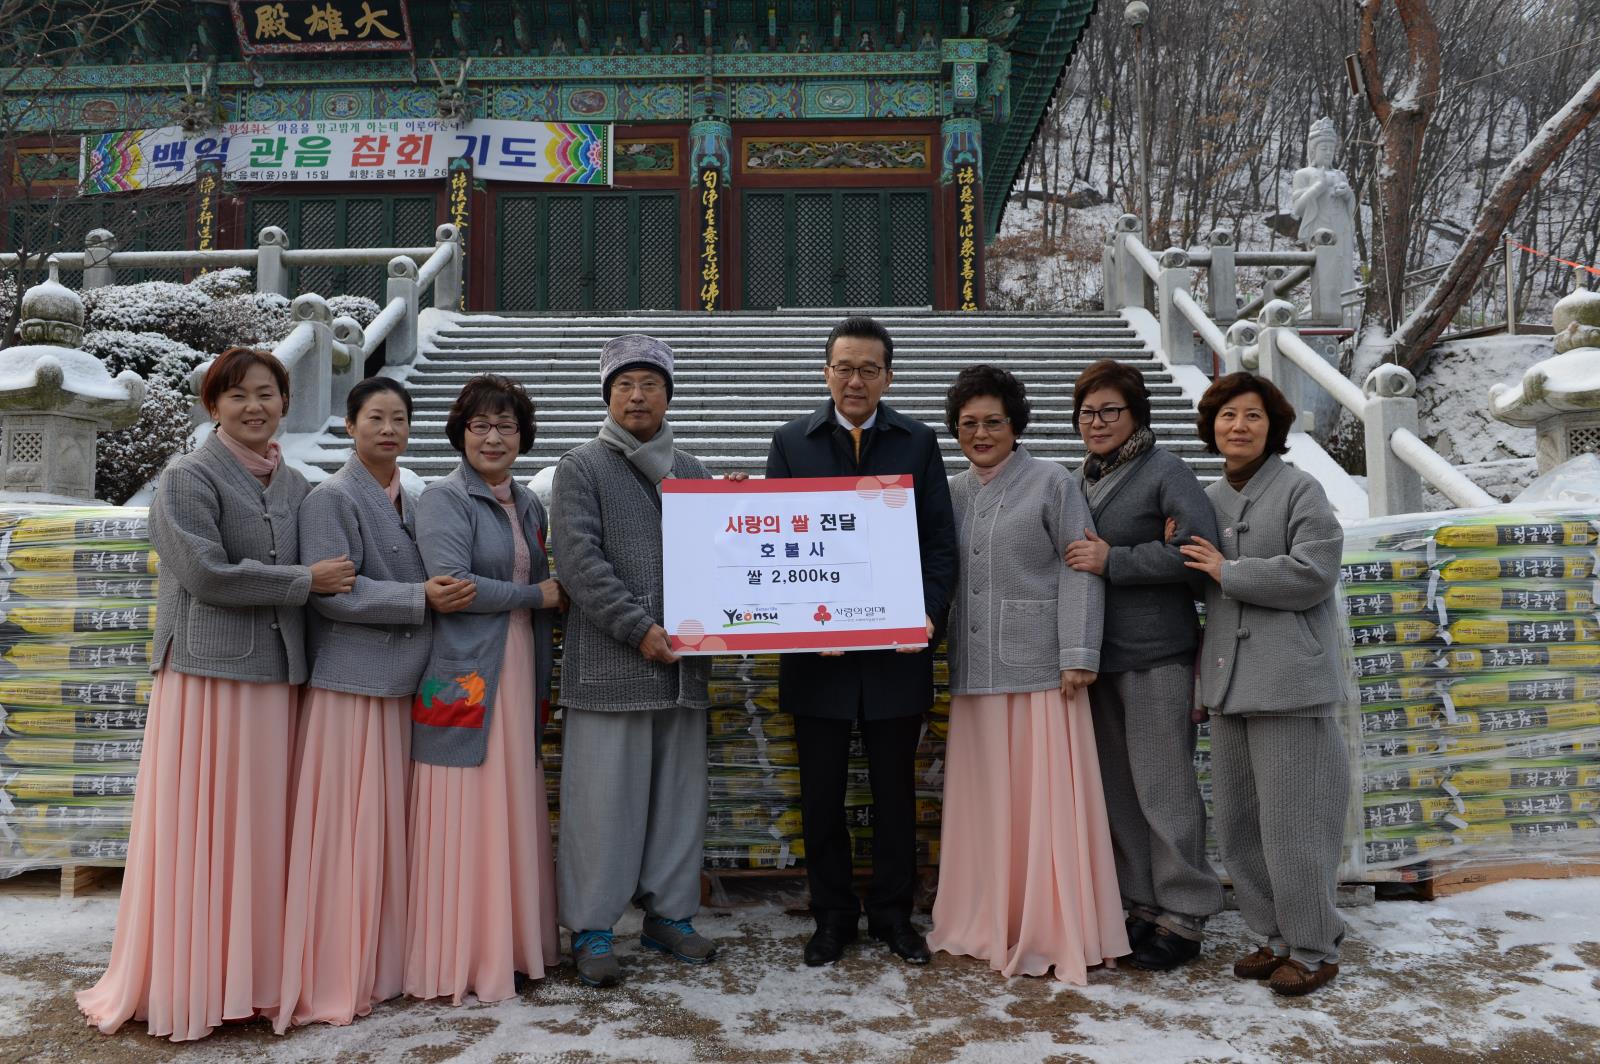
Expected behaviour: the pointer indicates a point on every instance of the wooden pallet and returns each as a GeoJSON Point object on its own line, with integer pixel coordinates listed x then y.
{"type": "Point", "coordinates": [1462, 880]}
{"type": "Point", "coordinates": [69, 881]}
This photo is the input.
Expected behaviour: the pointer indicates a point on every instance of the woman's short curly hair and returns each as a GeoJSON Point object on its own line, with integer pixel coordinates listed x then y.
{"type": "Point", "coordinates": [1224, 390]}
{"type": "Point", "coordinates": [1121, 378]}
{"type": "Point", "coordinates": [485, 394]}
{"type": "Point", "coordinates": [977, 381]}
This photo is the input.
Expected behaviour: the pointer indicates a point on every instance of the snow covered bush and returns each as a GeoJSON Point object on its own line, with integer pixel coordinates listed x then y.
{"type": "Point", "coordinates": [218, 284]}
{"type": "Point", "coordinates": [358, 307]}
{"type": "Point", "coordinates": [125, 461]}
{"type": "Point", "coordinates": [249, 319]}
{"type": "Point", "coordinates": [180, 311]}
{"type": "Point", "coordinates": [149, 354]}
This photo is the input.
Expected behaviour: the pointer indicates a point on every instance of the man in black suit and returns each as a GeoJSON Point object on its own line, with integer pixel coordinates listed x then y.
{"type": "Point", "coordinates": [883, 692]}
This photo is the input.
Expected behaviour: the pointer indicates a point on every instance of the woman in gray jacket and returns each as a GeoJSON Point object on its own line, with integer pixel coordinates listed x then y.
{"type": "Point", "coordinates": [1272, 674]}
{"type": "Point", "coordinates": [481, 892]}
{"type": "Point", "coordinates": [344, 924]}
{"type": "Point", "coordinates": [1026, 876]}
{"type": "Point", "coordinates": [200, 921]}
{"type": "Point", "coordinates": [1143, 699]}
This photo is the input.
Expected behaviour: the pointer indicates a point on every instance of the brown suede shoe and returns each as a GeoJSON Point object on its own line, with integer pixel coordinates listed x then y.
{"type": "Point", "coordinates": [1258, 965]}
{"type": "Point", "coordinates": [1291, 979]}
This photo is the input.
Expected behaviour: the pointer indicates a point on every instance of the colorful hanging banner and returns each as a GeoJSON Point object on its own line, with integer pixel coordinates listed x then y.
{"type": "Point", "coordinates": [563, 153]}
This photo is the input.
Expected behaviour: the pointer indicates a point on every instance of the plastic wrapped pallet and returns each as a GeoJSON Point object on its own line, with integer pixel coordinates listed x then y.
{"type": "Point", "coordinates": [1477, 659]}
{"type": "Point", "coordinates": [77, 611]}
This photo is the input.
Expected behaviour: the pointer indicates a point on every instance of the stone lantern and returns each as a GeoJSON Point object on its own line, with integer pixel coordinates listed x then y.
{"type": "Point", "coordinates": [1560, 396]}
{"type": "Point", "coordinates": [54, 398]}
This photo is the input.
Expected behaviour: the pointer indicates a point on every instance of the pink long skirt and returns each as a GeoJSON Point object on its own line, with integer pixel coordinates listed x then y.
{"type": "Point", "coordinates": [344, 921]}
{"type": "Point", "coordinates": [199, 937]}
{"type": "Point", "coordinates": [482, 883]}
{"type": "Point", "coordinates": [1027, 880]}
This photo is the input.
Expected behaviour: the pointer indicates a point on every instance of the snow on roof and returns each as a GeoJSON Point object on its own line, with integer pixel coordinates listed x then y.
{"type": "Point", "coordinates": [81, 373]}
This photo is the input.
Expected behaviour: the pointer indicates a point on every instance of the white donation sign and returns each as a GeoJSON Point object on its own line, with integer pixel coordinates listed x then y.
{"type": "Point", "coordinates": [826, 563]}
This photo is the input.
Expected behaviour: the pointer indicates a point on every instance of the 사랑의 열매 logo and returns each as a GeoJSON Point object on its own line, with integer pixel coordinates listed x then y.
{"type": "Point", "coordinates": [744, 618]}
{"type": "Point", "coordinates": [822, 616]}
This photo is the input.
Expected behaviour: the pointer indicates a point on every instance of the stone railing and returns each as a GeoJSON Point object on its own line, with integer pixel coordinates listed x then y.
{"type": "Point", "coordinates": [325, 356]}
{"type": "Point", "coordinates": [1386, 405]}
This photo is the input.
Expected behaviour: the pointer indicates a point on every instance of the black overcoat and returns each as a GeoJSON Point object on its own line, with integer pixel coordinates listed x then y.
{"type": "Point", "coordinates": [871, 684]}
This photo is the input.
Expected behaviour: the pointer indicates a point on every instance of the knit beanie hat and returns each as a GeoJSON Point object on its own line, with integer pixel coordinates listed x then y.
{"type": "Point", "coordinates": [634, 351]}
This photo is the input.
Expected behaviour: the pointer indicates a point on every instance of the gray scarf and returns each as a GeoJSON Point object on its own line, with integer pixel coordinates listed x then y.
{"type": "Point", "coordinates": [1100, 473]}
{"type": "Point", "coordinates": [653, 458]}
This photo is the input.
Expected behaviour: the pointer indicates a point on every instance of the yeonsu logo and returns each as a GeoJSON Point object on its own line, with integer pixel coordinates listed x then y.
{"type": "Point", "coordinates": [822, 616]}
{"type": "Point", "coordinates": [742, 618]}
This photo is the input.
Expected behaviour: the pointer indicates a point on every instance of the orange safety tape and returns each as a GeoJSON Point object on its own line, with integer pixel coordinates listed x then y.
{"type": "Point", "coordinates": [1558, 258]}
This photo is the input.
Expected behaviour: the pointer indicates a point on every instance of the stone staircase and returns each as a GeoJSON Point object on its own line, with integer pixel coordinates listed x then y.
{"type": "Point", "coordinates": [740, 376]}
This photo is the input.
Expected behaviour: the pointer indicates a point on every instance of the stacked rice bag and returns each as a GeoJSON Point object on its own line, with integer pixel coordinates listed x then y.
{"type": "Point", "coordinates": [77, 612]}
{"type": "Point", "coordinates": [753, 814]}
{"type": "Point", "coordinates": [1477, 659]}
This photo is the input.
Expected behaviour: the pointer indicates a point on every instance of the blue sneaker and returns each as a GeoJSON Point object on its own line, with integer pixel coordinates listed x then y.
{"type": "Point", "coordinates": [677, 937]}
{"type": "Point", "coordinates": [596, 964]}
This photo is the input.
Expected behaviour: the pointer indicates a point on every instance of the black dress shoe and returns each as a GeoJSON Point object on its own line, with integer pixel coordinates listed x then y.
{"type": "Point", "coordinates": [904, 941]}
{"type": "Point", "coordinates": [1164, 951]}
{"type": "Point", "coordinates": [1139, 932]}
{"type": "Point", "coordinates": [827, 944]}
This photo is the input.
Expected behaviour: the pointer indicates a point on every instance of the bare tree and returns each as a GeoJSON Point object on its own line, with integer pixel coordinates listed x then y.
{"type": "Point", "coordinates": [41, 41]}
{"type": "Point", "coordinates": [1417, 334]}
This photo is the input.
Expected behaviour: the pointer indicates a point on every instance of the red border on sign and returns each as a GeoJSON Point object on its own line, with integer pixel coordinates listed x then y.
{"type": "Point", "coordinates": [670, 485]}
{"type": "Point", "coordinates": [751, 643]}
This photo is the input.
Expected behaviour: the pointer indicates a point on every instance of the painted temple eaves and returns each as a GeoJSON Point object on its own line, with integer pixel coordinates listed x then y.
{"type": "Point", "coordinates": [983, 70]}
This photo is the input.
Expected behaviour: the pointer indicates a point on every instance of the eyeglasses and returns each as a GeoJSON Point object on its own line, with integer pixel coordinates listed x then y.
{"type": "Point", "coordinates": [504, 428]}
{"type": "Point", "coordinates": [647, 388]}
{"type": "Point", "coordinates": [869, 372]}
{"type": "Point", "coordinates": [1108, 415]}
{"type": "Point", "coordinates": [991, 425]}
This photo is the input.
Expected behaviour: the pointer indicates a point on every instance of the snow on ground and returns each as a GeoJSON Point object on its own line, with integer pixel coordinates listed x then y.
{"type": "Point", "coordinates": [1509, 972]}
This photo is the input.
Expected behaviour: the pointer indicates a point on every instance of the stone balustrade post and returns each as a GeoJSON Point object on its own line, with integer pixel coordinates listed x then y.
{"type": "Point", "coordinates": [1276, 275]}
{"type": "Point", "coordinates": [271, 275]}
{"type": "Point", "coordinates": [98, 244]}
{"type": "Point", "coordinates": [1392, 486]}
{"type": "Point", "coordinates": [1111, 291]}
{"type": "Point", "coordinates": [1177, 335]}
{"type": "Point", "coordinates": [447, 286]}
{"type": "Point", "coordinates": [1243, 336]}
{"type": "Point", "coordinates": [1131, 279]}
{"type": "Point", "coordinates": [400, 347]}
{"type": "Point", "coordinates": [348, 365]}
{"type": "Point", "coordinates": [1222, 278]}
{"type": "Point", "coordinates": [1327, 286]}
{"type": "Point", "coordinates": [1277, 317]}
{"type": "Point", "coordinates": [311, 376]}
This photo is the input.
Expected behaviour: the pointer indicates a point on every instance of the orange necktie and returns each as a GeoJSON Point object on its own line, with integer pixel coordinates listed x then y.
{"type": "Point", "coordinates": [855, 434]}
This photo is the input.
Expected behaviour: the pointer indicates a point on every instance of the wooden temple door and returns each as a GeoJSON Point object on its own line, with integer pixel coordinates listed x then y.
{"type": "Point", "coordinates": [595, 251]}
{"type": "Point", "coordinates": [347, 221]}
{"type": "Point", "coordinates": [837, 248]}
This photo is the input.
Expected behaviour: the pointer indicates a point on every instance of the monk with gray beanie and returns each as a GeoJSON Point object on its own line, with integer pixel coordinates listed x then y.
{"type": "Point", "coordinates": [633, 758]}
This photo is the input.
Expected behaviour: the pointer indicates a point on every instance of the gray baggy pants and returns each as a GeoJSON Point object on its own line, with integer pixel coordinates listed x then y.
{"type": "Point", "coordinates": [633, 814]}
{"type": "Point", "coordinates": [1145, 736]}
{"type": "Point", "coordinates": [1280, 786]}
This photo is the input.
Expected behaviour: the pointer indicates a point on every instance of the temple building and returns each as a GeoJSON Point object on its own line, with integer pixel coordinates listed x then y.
{"type": "Point", "coordinates": [712, 154]}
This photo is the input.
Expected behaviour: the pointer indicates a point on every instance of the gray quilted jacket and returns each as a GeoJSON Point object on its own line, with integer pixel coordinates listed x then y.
{"type": "Point", "coordinates": [232, 585]}
{"type": "Point", "coordinates": [606, 522]}
{"type": "Point", "coordinates": [1274, 640]}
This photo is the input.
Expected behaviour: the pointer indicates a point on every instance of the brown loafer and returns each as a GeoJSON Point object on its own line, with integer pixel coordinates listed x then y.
{"type": "Point", "coordinates": [1258, 965]}
{"type": "Point", "coordinates": [1291, 979]}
